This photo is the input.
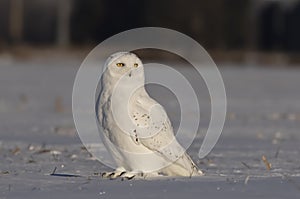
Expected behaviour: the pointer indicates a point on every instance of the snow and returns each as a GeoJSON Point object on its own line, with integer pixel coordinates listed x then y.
{"type": "Point", "coordinates": [36, 137]}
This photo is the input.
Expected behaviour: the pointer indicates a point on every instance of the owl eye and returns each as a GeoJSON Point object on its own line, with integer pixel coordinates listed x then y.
{"type": "Point", "coordinates": [120, 64]}
{"type": "Point", "coordinates": [135, 65]}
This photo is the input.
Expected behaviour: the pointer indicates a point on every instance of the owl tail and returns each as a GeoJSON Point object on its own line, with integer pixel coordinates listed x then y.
{"type": "Point", "coordinates": [189, 165]}
{"type": "Point", "coordinates": [183, 166]}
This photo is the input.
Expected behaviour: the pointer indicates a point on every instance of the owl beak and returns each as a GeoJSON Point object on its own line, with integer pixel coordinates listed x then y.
{"type": "Point", "coordinates": [129, 74]}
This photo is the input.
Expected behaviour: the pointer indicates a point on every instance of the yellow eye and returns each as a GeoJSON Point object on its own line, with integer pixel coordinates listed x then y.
{"type": "Point", "coordinates": [120, 64]}
{"type": "Point", "coordinates": [135, 65]}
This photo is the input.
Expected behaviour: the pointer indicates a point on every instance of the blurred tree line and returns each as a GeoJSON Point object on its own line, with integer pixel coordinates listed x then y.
{"type": "Point", "coordinates": [216, 24]}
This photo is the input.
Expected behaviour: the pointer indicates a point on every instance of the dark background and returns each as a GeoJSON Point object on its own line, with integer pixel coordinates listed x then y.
{"type": "Point", "coordinates": [231, 30]}
{"type": "Point", "coordinates": [216, 24]}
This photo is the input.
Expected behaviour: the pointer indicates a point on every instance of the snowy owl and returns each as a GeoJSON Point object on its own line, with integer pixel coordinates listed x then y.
{"type": "Point", "coordinates": [136, 129]}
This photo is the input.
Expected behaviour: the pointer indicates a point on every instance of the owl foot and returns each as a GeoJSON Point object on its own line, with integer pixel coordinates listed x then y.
{"type": "Point", "coordinates": [124, 175]}
{"type": "Point", "coordinates": [111, 175]}
{"type": "Point", "coordinates": [121, 173]}
{"type": "Point", "coordinates": [140, 175]}
{"type": "Point", "coordinates": [115, 174]}
{"type": "Point", "coordinates": [128, 176]}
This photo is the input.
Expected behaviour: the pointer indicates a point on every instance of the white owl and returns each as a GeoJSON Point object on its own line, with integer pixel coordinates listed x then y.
{"type": "Point", "coordinates": [137, 131]}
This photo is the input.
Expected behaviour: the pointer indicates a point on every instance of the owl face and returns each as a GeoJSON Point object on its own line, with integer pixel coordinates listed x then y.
{"type": "Point", "coordinates": [124, 64]}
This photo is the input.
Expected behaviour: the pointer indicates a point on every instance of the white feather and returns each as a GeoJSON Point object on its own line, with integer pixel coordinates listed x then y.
{"type": "Point", "coordinates": [137, 130]}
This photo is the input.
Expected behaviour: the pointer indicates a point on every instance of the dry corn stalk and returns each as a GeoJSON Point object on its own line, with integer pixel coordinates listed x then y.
{"type": "Point", "coordinates": [267, 163]}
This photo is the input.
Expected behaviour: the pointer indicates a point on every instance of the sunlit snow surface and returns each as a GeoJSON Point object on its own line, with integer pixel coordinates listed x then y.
{"type": "Point", "coordinates": [37, 135]}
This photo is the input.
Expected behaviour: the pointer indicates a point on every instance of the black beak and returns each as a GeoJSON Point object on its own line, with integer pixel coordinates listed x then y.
{"type": "Point", "coordinates": [130, 74]}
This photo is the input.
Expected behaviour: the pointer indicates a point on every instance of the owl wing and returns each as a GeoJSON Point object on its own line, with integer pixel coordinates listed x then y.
{"type": "Point", "coordinates": [161, 138]}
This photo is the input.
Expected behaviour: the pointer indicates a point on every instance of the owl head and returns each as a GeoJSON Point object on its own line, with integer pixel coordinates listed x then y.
{"type": "Point", "coordinates": [124, 64]}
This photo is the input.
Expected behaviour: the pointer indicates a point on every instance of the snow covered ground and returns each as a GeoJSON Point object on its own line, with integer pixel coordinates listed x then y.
{"type": "Point", "coordinates": [37, 138]}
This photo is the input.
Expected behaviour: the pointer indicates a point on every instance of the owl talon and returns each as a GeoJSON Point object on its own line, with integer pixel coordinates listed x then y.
{"type": "Point", "coordinates": [127, 176]}
{"type": "Point", "coordinates": [119, 172]}
{"type": "Point", "coordinates": [106, 174]}
{"type": "Point", "coordinates": [114, 175]}
{"type": "Point", "coordinates": [122, 173]}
